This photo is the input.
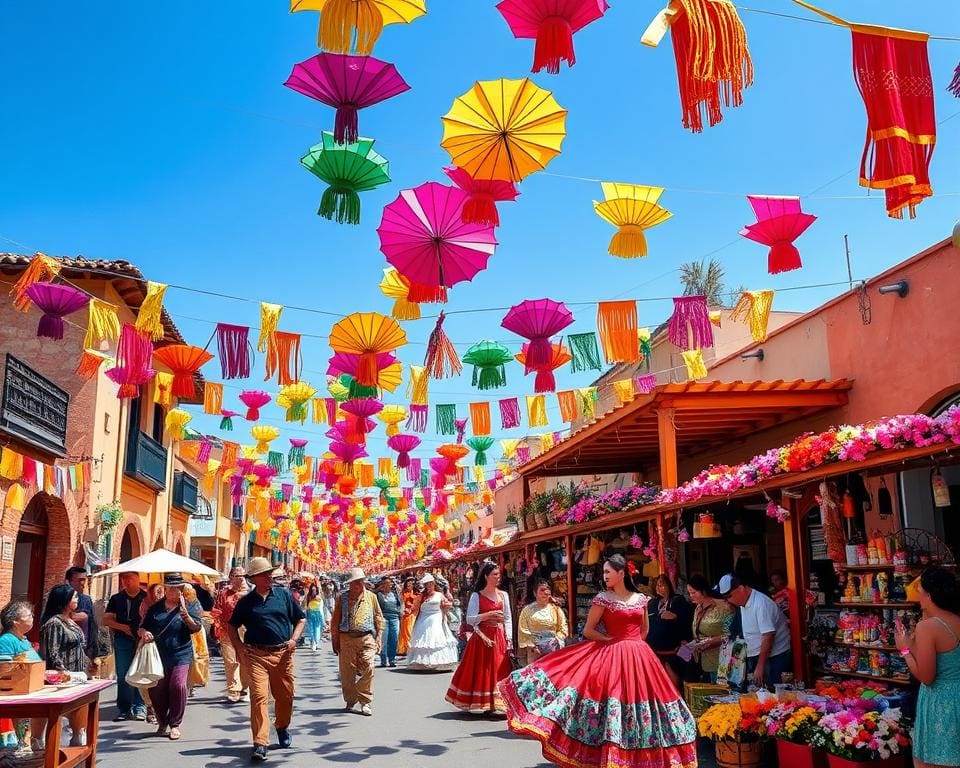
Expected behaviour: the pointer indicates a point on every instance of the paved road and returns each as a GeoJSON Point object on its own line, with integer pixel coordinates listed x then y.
{"type": "Point", "coordinates": [412, 727]}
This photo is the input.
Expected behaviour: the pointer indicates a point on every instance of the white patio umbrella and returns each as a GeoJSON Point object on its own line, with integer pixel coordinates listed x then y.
{"type": "Point", "coordinates": [162, 561]}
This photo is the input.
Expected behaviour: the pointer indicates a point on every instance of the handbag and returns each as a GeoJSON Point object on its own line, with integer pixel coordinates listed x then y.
{"type": "Point", "coordinates": [146, 669]}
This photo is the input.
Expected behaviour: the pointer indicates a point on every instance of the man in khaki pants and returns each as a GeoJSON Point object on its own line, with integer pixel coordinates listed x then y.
{"type": "Point", "coordinates": [357, 633]}
{"type": "Point", "coordinates": [237, 683]}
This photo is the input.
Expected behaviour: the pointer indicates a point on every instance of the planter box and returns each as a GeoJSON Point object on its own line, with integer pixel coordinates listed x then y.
{"type": "Point", "coordinates": [739, 754]}
{"type": "Point", "coordinates": [799, 755]}
{"type": "Point", "coordinates": [898, 761]}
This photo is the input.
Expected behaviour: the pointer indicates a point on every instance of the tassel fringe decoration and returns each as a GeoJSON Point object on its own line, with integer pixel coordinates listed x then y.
{"type": "Point", "coordinates": [954, 86]}
{"type": "Point", "coordinates": [340, 205]}
{"type": "Point", "coordinates": [41, 269]}
{"type": "Point", "coordinates": [417, 420]}
{"type": "Point", "coordinates": [102, 324]}
{"type": "Point", "coordinates": [284, 359]}
{"type": "Point", "coordinates": [427, 294]}
{"type": "Point", "coordinates": [696, 368]}
{"type": "Point", "coordinates": [645, 384]}
{"type": "Point", "coordinates": [346, 122]}
{"type": "Point", "coordinates": [624, 390]}
{"type": "Point", "coordinates": [523, 454]}
{"type": "Point", "coordinates": [689, 326]}
{"type": "Point", "coordinates": [150, 315]}
{"type": "Point", "coordinates": [418, 386]}
{"type": "Point", "coordinates": [275, 460]}
{"type": "Point", "coordinates": [537, 411]}
{"type": "Point", "coordinates": [480, 208]}
{"type": "Point", "coordinates": [347, 25]}
{"type": "Point", "coordinates": [509, 413]}
{"type": "Point", "coordinates": [783, 257]}
{"type": "Point", "coordinates": [754, 308]}
{"type": "Point", "coordinates": [481, 445]}
{"type": "Point", "coordinates": [226, 423]}
{"type": "Point", "coordinates": [319, 410]}
{"type": "Point", "coordinates": [212, 398]}
{"type": "Point", "coordinates": [233, 346]}
{"type": "Point", "coordinates": [446, 419]}
{"type": "Point", "coordinates": [269, 320]}
{"type": "Point", "coordinates": [618, 327]}
{"type": "Point", "coordinates": [585, 352]}
{"type": "Point", "coordinates": [587, 400]}
{"type": "Point", "coordinates": [461, 425]}
{"type": "Point", "coordinates": [480, 418]}
{"type": "Point", "coordinates": [296, 456]}
{"type": "Point", "coordinates": [175, 423]}
{"type": "Point", "coordinates": [163, 389]}
{"type": "Point", "coordinates": [567, 401]}
{"type": "Point", "coordinates": [404, 309]}
{"type": "Point", "coordinates": [628, 242]}
{"type": "Point", "coordinates": [441, 360]}
{"type": "Point", "coordinates": [89, 365]}
{"type": "Point", "coordinates": [554, 44]}
{"type": "Point", "coordinates": [544, 381]}
{"type": "Point", "coordinates": [489, 377]}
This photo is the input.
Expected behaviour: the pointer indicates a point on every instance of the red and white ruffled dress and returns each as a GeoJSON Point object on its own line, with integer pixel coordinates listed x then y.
{"type": "Point", "coordinates": [474, 684]}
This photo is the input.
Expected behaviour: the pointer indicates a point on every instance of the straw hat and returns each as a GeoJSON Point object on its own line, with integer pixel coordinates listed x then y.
{"type": "Point", "coordinates": [428, 579]}
{"type": "Point", "coordinates": [356, 574]}
{"type": "Point", "coordinates": [258, 566]}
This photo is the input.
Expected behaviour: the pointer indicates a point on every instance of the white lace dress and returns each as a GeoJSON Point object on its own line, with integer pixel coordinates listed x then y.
{"type": "Point", "coordinates": [432, 644]}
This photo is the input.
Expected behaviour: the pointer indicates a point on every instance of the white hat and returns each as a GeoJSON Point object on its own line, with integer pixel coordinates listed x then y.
{"type": "Point", "coordinates": [428, 579]}
{"type": "Point", "coordinates": [356, 574]}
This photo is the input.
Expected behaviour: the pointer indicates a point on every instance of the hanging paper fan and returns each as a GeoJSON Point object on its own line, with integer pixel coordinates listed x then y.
{"type": "Point", "coordinates": [367, 334]}
{"type": "Point", "coordinates": [482, 196]}
{"type": "Point", "coordinates": [184, 361]}
{"type": "Point", "coordinates": [488, 359]}
{"type": "Point", "coordinates": [403, 445]}
{"type": "Point", "coordinates": [453, 452]}
{"type": "Point", "coordinates": [264, 435]}
{"type": "Point", "coordinates": [397, 287]}
{"type": "Point", "coordinates": [392, 416]}
{"type": "Point", "coordinates": [552, 23]}
{"type": "Point", "coordinates": [347, 25]}
{"type": "Point", "coordinates": [363, 410]}
{"type": "Point", "coordinates": [389, 370]}
{"type": "Point", "coordinates": [55, 301]}
{"type": "Point", "coordinates": [294, 397]}
{"type": "Point", "coordinates": [632, 209]}
{"type": "Point", "coordinates": [254, 400]}
{"type": "Point", "coordinates": [779, 222]}
{"type": "Point", "coordinates": [348, 169]}
{"type": "Point", "coordinates": [538, 320]}
{"type": "Point", "coordinates": [545, 380]}
{"type": "Point", "coordinates": [348, 452]}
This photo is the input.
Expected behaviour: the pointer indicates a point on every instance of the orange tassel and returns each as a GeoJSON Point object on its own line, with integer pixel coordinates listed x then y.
{"type": "Point", "coordinates": [41, 269]}
{"type": "Point", "coordinates": [441, 359]}
{"type": "Point", "coordinates": [283, 358]}
{"type": "Point", "coordinates": [618, 328]}
{"type": "Point", "coordinates": [568, 405]}
{"type": "Point", "coordinates": [230, 455]}
{"type": "Point", "coordinates": [344, 21]}
{"type": "Point", "coordinates": [480, 418]}
{"type": "Point", "coordinates": [89, 365]}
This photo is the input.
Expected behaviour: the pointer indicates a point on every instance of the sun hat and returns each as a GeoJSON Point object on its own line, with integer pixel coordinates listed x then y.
{"type": "Point", "coordinates": [356, 574]}
{"type": "Point", "coordinates": [428, 579]}
{"type": "Point", "coordinates": [173, 580]}
{"type": "Point", "coordinates": [260, 565]}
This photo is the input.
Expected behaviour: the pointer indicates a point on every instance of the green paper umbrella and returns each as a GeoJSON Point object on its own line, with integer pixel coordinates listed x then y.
{"type": "Point", "coordinates": [488, 359]}
{"type": "Point", "coordinates": [348, 169]}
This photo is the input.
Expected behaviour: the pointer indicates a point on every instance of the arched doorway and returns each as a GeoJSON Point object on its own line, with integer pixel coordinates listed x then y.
{"type": "Point", "coordinates": [30, 558]}
{"type": "Point", "coordinates": [129, 544]}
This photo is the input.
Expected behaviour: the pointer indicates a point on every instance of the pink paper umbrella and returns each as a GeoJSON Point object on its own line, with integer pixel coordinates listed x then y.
{"type": "Point", "coordinates": [483, 196]}
{"type": "Point", "coordinates": [552, 24]}
{"type": "Point", "coordinates": [348, 452]}
{"type": "Point", "coordinates": [348, 363]}
{"type": "Point", "coordinates": [363, 410]}
{"type": "Point", "coordinates": [423, 235]}
{"type": "Point", "coordinates": [55, 301]}
{"type": "Point", "coordinates": [348, 84]}
{"type": "Point", "coordinates": [538, 320]}
{"type": "Point", "coordinates": [779, 222]}
{"type": "Point", "coordinates": [403, 444]}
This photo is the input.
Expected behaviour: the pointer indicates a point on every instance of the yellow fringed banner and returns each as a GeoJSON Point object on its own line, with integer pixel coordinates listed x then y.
{"type": "Point", "coordinates": [546, 442]}
{"type": "Point", "coordinates": [11, 464]}
{"type": "Point", "coordinates": [479, 474]}
{"type": "Point", "coordinates": [509, 446]}
{"type": "Point", "coordinates": [384, 467]}
{"type": "Point", "coordinates": [537, 411]}
{"type": "Point", "coordinates": [624, 390]}
{"type": "Point", "coordinates": [41, 269]}
{"type": "Point", "coordinates": [418, 386]}
{"type": "Point", "coordinates": [319, 407]}
{"type": "Point", "coordinates": [696, 368]}
{"type": "Point", "coordinates": [480, 418]}
{"type": "Point", "coordinates": [269, 319]}
{"type": "Point", "coordinates": [754, 308]}
{"type": "Point", "coordinates": [150, 315]}
{"type": "Point", "coordinates": [568, 405]}
{"type": "Point", "coordinates": [163, 389]}
{"type": "Point", "coordinates": [617, 325]}
{"type": "Point", "coordinates": [16, 498]}
{"type": "Point", "coordinates": [212, 398]}
{"type": "Point", "coordinates": [102, 324]}
{"type": "Point", "coordinates": [587, 400]}
{"type": "Point", "coordinates": [175, 422]}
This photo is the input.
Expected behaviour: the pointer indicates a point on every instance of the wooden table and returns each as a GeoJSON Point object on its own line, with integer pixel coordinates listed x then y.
{"type": "Point", "coordinates": [55, 704]}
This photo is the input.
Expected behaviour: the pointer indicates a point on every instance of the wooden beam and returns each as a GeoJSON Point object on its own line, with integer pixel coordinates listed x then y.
{"type": "Point", "coordinates": [796, 587]}
{"type": "Point", "coordinates": [770, 399]}
{"type": "Point", "coordinates": [668, 448]}
{"type": "Point", "coordinates": [571, 586]}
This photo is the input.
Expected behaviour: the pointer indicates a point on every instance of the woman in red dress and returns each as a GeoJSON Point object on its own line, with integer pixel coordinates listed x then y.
{"type": "Point", "coordinates": [607, 702]}
{"type": "Point", "coordinates": [486, 659]}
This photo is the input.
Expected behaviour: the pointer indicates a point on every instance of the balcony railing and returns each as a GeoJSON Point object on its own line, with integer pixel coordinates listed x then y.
{"type": "Point", "coordinates": [185, 492]}
{"type": "Point", "coordinates": [146, 461]}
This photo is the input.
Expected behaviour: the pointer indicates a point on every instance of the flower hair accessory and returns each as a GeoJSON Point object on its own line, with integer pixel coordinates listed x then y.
{"type": "Point", "coordinates": [631, 568]}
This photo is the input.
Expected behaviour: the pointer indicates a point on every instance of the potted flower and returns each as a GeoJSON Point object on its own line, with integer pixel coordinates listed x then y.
{"type": "Point", "coordinates": [738, 730]}
{"type": "Point", "coordinates": [853, 737]}
{"type": "Point", "coordinates": [793, 725]}
{"type": "Point", "coordinates": [108, 516]}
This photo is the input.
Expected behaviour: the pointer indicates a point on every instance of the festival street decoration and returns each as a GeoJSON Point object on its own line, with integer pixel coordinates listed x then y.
{"type": "Point", "coordinates": [348, 169]}
{"type": "Point", "coordinates": [133, 365]}
{"type": "Point", "coordinates": [552, 23]}
{"type": "Point", "coordinates": [545, 381]}
{"type": "Point", "coordinates": [184, 361]}
{"type": "Point", "coordinates": [779, 222]}
{"type": "Point", "coordinates": [55, 301]}
{"type": "Point", "coordinates": [355, 25]}
{"type": "Point", "coordinates": [367, 334]}
{"type": "Point", "coordinates": [482, 196]}
{"type": "Point", "coordinates": [397, 287]}
{"type": "Point", "coordinates": [631, 208]}
{"type": "Point", "coordinates": [538, 320]}
{"type": "Point", "coordinates": [488, 359]}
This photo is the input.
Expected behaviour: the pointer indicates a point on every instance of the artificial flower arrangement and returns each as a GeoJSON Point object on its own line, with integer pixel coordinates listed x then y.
{"type": "Point", "coordinates": [861, 736]}
{"type": "Point", "coordinates": [590, 506]}
{"type": "Point", "coordinates": [742, 721]}
{"type": "Point", "coordinates": [795, 722]}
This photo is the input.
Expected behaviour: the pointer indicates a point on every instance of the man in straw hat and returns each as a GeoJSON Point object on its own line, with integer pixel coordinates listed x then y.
{"type": "Point", "coordinates": [273, 624]}
{"type": "Point", "coordinates": [356, 631]}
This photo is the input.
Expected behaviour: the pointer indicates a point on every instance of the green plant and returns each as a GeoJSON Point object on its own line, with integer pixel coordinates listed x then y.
{"type": "Point", "coordinates": [109, 515]}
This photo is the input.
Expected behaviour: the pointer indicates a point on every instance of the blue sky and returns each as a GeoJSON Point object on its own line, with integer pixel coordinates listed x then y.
{"type": "Point", "coordinates": [162, 134]}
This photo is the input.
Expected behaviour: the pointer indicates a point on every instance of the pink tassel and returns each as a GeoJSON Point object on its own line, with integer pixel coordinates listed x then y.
{"type": "Point", "coordinates": [954, 86]}
{"type": "Point", "coordinates": [554, 44]}
{"type": "Point", "coordinates": [417, 420]}
{"type": "Point", "coordinates": [461, 425]}
{"type": "Point", "coordinates": [441, 359]}
{"type": "Point", "coordinates": [510, 413]}
{"type": "Point", "coordinates": [690, 312]}
{"type": "Point", "coordinates": [236, 488]}
{"type": "Point", "coordinates": [345, 124]}
{"type": "Point", "coordinates": [545, 381]}
{"type": "Point", "coordinates": [645, 384]}
{"type": "Point", "coordinates": [523, 454]}
{"type": "Point", "coordinates": [203, 455]}
{"type": "Point", "coordinates": [413, 470]}
{"type": "Point", "coordinates": [539, 355]}
{"type": "Point", "coordinates": [233, 344]}
{"type": "Point", "coordinates": [331, 405]}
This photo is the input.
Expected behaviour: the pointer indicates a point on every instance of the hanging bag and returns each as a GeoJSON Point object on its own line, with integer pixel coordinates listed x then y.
{"type": "Point", "coordinates": [146, 669]}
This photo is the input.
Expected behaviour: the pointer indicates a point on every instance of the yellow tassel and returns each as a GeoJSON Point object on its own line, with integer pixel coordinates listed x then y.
{"type": "Point", "coordinates": [15, 499]}
{"type": "Point", "coordinates": [628, 242]}
{"type": "Point", "coordinates": [384, 466]}
{"type": "Point", "coordinates": [537, 411]}
{"type": "Point", "coordinates": [546, 442]}
{"type": "Point", "coordinates": [587, 399]}
{"type": "Point", "coordinates": [163, 388]}
{"type": "Point", "coordinates": [340, 18]}
{"type": "Point", "coordinates": [404, 309]}
{"type": "Point", "coordinates": [696, 368]}
{"type": "Point", "coordinates": [417, 388]}
{"type": "Point", "coordinates": [11, 464]}
{"type": "Point", "coordinates": [269, 319]}
{"type": "Point", "coordinates": [150, 316]}
{"type": "Point", "coordinates": [509, 446]}
{"type": "Point", "coordinates": [212, 398]}
{"type": "Point", "coordinates": [624, 390]}
{"type": "Point", "coordinates": [754, 308]}
{"type": "Point", "coordinates": [40, 269]}
{"type": "Point", "coordinates": [176, 420]}
{"type": "Point", "coordinates": [319, 405]}
{"type": "Point", "coordinates": [102, 324]}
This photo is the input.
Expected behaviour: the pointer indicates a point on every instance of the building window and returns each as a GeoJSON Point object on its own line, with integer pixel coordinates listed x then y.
{"type": "Point", "coordinates": [33, 409]}
{"type": "Point", "coordinates": [156, 431]}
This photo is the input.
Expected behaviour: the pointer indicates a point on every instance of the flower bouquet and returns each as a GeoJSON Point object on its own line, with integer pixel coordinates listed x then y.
{"type": "Point", "coordinates": [793, 725]}
{"type": "Point", "coordinates": [853, 736]}
{"type": "Point", "coordinates": [588, 506]}
{"type": "Point", "coordinates": [737, 730]}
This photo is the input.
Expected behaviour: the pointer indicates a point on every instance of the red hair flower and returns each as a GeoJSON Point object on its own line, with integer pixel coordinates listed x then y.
{"type": "Point", "coordinates": [632, 568]}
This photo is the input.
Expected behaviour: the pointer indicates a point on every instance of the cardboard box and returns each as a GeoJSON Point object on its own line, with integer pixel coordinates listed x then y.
{"type": "Point", "coordinates": [18, 678]}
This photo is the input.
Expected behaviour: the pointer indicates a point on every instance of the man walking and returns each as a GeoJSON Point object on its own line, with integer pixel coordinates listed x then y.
{"type": "Point", "coordinates": [123, 617]}
{"type": "Point", "coordinates": [356, 631]}
{"type": "Point", "coordinates": [273, 624]}
{"type": "Point", "coordinates": [765, 631]}
{"type": "Point", "coordinates": [223, 608]}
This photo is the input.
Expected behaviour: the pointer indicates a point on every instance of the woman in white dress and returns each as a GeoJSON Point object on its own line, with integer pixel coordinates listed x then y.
{"type": "Point", "coordinates": [432, 645]}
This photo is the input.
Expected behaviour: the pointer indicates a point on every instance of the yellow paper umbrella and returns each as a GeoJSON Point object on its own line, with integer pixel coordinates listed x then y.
{"type": "Point", "coordinates": [176, 421]}
{"type": "Point", "coordinates": [367, 334]}
{"type": "Point", "coordinates": [357, 23]}
{"type": "Point", "coordinates": [632, 209]}
{"type": "Point", "coordinates": [504, 129]}
{"type": "Point", "coordinates": [264, 434]}
{"type": "Point", "coordinates": [392, 416]}
{"type": "Point", "coordinates": [294, 397]}
{"type": "Point", "coordinates": [395, 286]}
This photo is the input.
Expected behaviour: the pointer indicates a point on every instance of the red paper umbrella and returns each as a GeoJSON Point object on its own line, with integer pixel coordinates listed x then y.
{"type": "Point", "coordinates": [403, 444]}
{"type": "Point", "coordinates": [348, 84]}
{"type": "Point", "coordinates": [254, 400]}
{"type": "Point", "coordinates": [483, 196]}
{"type": "Point", "coordinates": [552, 24]}
{"type": "Point", "coordinates": [55, 301]}
{"type": "Point", "coordinates": [538, 320]}
{"type": "Point", "coordinates": [363, 410]}
{"type": "Point", "coordinates": [134, 354]}
{"type": "Point", "coordinates": [184, 361]}
{"type": "Point", "coordinates": [423, 235]}
{"type": "Point", "coordinates": [779, 222]}
{"type": "Point", "coordinates": [545, 380]}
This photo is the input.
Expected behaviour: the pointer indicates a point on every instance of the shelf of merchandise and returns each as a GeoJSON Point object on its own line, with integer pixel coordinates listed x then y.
{"type": "Point", "coordinates": [864, 646]}
{"type": "Point", "coordinates": [895, 606]}
{"type": "Point", "coordinates": [868, 676]}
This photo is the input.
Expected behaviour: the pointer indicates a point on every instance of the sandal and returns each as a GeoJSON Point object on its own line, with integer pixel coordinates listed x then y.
{"type": "Point", "coordinates": [174, 734]}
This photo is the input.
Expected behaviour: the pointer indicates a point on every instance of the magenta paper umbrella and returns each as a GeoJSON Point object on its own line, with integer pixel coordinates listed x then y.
{"type": "Point", "coordinates": [55, 301]}
{"type": "Point", "coordinates": [779, 222]}
{"type": "Point", "coordinates": [348, 84]}
{"type": "Point", "coordinates": [552, 24]}
{"type": "Point", "coordinates": [483, 196]}
{"type": "Point", "coordinates": [348, 452]}
{"type": "Point", "coordinates": [403, 444]}
{"type": "Point", "coordinates": [363, 409]}
{"type": "Point", "coordinates": [538, 320]}
{"type": "Point", "coordinates": [423, 235]}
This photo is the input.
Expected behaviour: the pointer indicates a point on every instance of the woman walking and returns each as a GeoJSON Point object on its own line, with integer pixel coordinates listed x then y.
{"type": "Point", "coordinates": [712, 621]}
{"type": "Point", "coordinates": [608, 701]}
{"type": "Point", "coordinates": [314, 610]}
{"type": "Point", "coordinates": [171, 624]}
{"type": "Point", "coordinates": [391, 606]}
{"type": "Point", "coordinates": [542, 627]}
{"type": "Point", "coordinates": [411, 602]}
{"type": "Point", "coordinates": [933, 656]}
{"type": "Point", "coordinates": [486, 659]}
{"type": "Point", "coordinates": [432, 644]}
{"type": "Point", "coordinates": [61, 647]}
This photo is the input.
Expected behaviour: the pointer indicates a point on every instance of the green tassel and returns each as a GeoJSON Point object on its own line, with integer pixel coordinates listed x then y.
{"type": "Point", "coordinates": [446, 419]}
{"type": "Point", "coordinates": [296, 456]}
{"type": "Point", "coordinates": [489, 376]}
{"type": "Point", "coordinates": [646, 348]}
{"type": "Point", "coordinates": [424, 479]}
{"type": "Point", "coordinates": [481, 445]}
{"type": "Point", "coordinates": [297, 412]}
{"type": "Point", "coordinates": [585, 352]}
{"type": "Point", "coordinates": [360, 392]}
{"type": "Point", "coordinates": [340, 205]}
{"type": "Point", "coordinates": [226, 424]}
{"type": "Point", "coordinates": [275, 460]}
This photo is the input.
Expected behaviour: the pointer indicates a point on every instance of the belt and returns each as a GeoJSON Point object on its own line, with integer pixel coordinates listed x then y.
{"type": "Point", "coordinates": [357, 634]}
{"type": "Point", "coordinates": [267, 648]}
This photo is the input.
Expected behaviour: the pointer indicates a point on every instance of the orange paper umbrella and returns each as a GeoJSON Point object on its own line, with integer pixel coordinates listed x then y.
{"type": "Point", "coordinates": [367, 334]}
{"type": "Point", "coordinates": [184, 361]}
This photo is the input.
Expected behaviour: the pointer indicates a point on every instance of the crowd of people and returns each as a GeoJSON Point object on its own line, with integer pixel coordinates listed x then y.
{"type": "Point", "coordinates": [613, 698]}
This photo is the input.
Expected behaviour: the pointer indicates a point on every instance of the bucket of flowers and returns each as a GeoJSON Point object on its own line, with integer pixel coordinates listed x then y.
{"type": "Point", "coordinates": [738, 731]}
{"type": "Point", "coordinates": [793, 725]}
{"type": "Point", "coordinates": [854, 737]}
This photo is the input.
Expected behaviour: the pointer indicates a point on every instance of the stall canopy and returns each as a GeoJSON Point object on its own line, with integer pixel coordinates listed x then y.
{"type": "Point", "coordinates": [678, 420]}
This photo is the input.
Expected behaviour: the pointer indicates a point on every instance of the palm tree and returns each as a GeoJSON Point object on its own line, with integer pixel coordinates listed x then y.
{"type": "Point", "coordinates": [702, 278]}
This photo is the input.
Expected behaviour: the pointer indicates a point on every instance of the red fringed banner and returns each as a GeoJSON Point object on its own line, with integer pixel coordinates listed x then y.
{"type": "Point", "coordinates": [283, 358]}
{"type": "Point", "coordinates": [510, 413]}
{"type": "Point", "coordinates": [441, 359]}
{"type": "Point", "coordinates": [233, 344]}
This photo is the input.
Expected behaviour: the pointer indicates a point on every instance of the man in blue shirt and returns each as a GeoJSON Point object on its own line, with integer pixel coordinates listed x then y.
{"type": "Point", "coordinates": [123, 617]}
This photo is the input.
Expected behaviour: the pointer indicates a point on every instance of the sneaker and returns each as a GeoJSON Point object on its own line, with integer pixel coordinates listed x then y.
{"type": "Point", "coordinates": [233, 698]}
{"type": "Point", "coordinates": [283, 737]}
{"type": "Point", "coordinates": [140, 715]}
{"type": "Point", "coordinates": [245, 697]}
{"type": "Point", "coordinates": [350, 707]}
{"type": "Point", "coordinates": [123, 716]}
{"type": "Point", "coordinates": [365, 710]}
{"type": "Point", "coordinates": [259, 753]}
